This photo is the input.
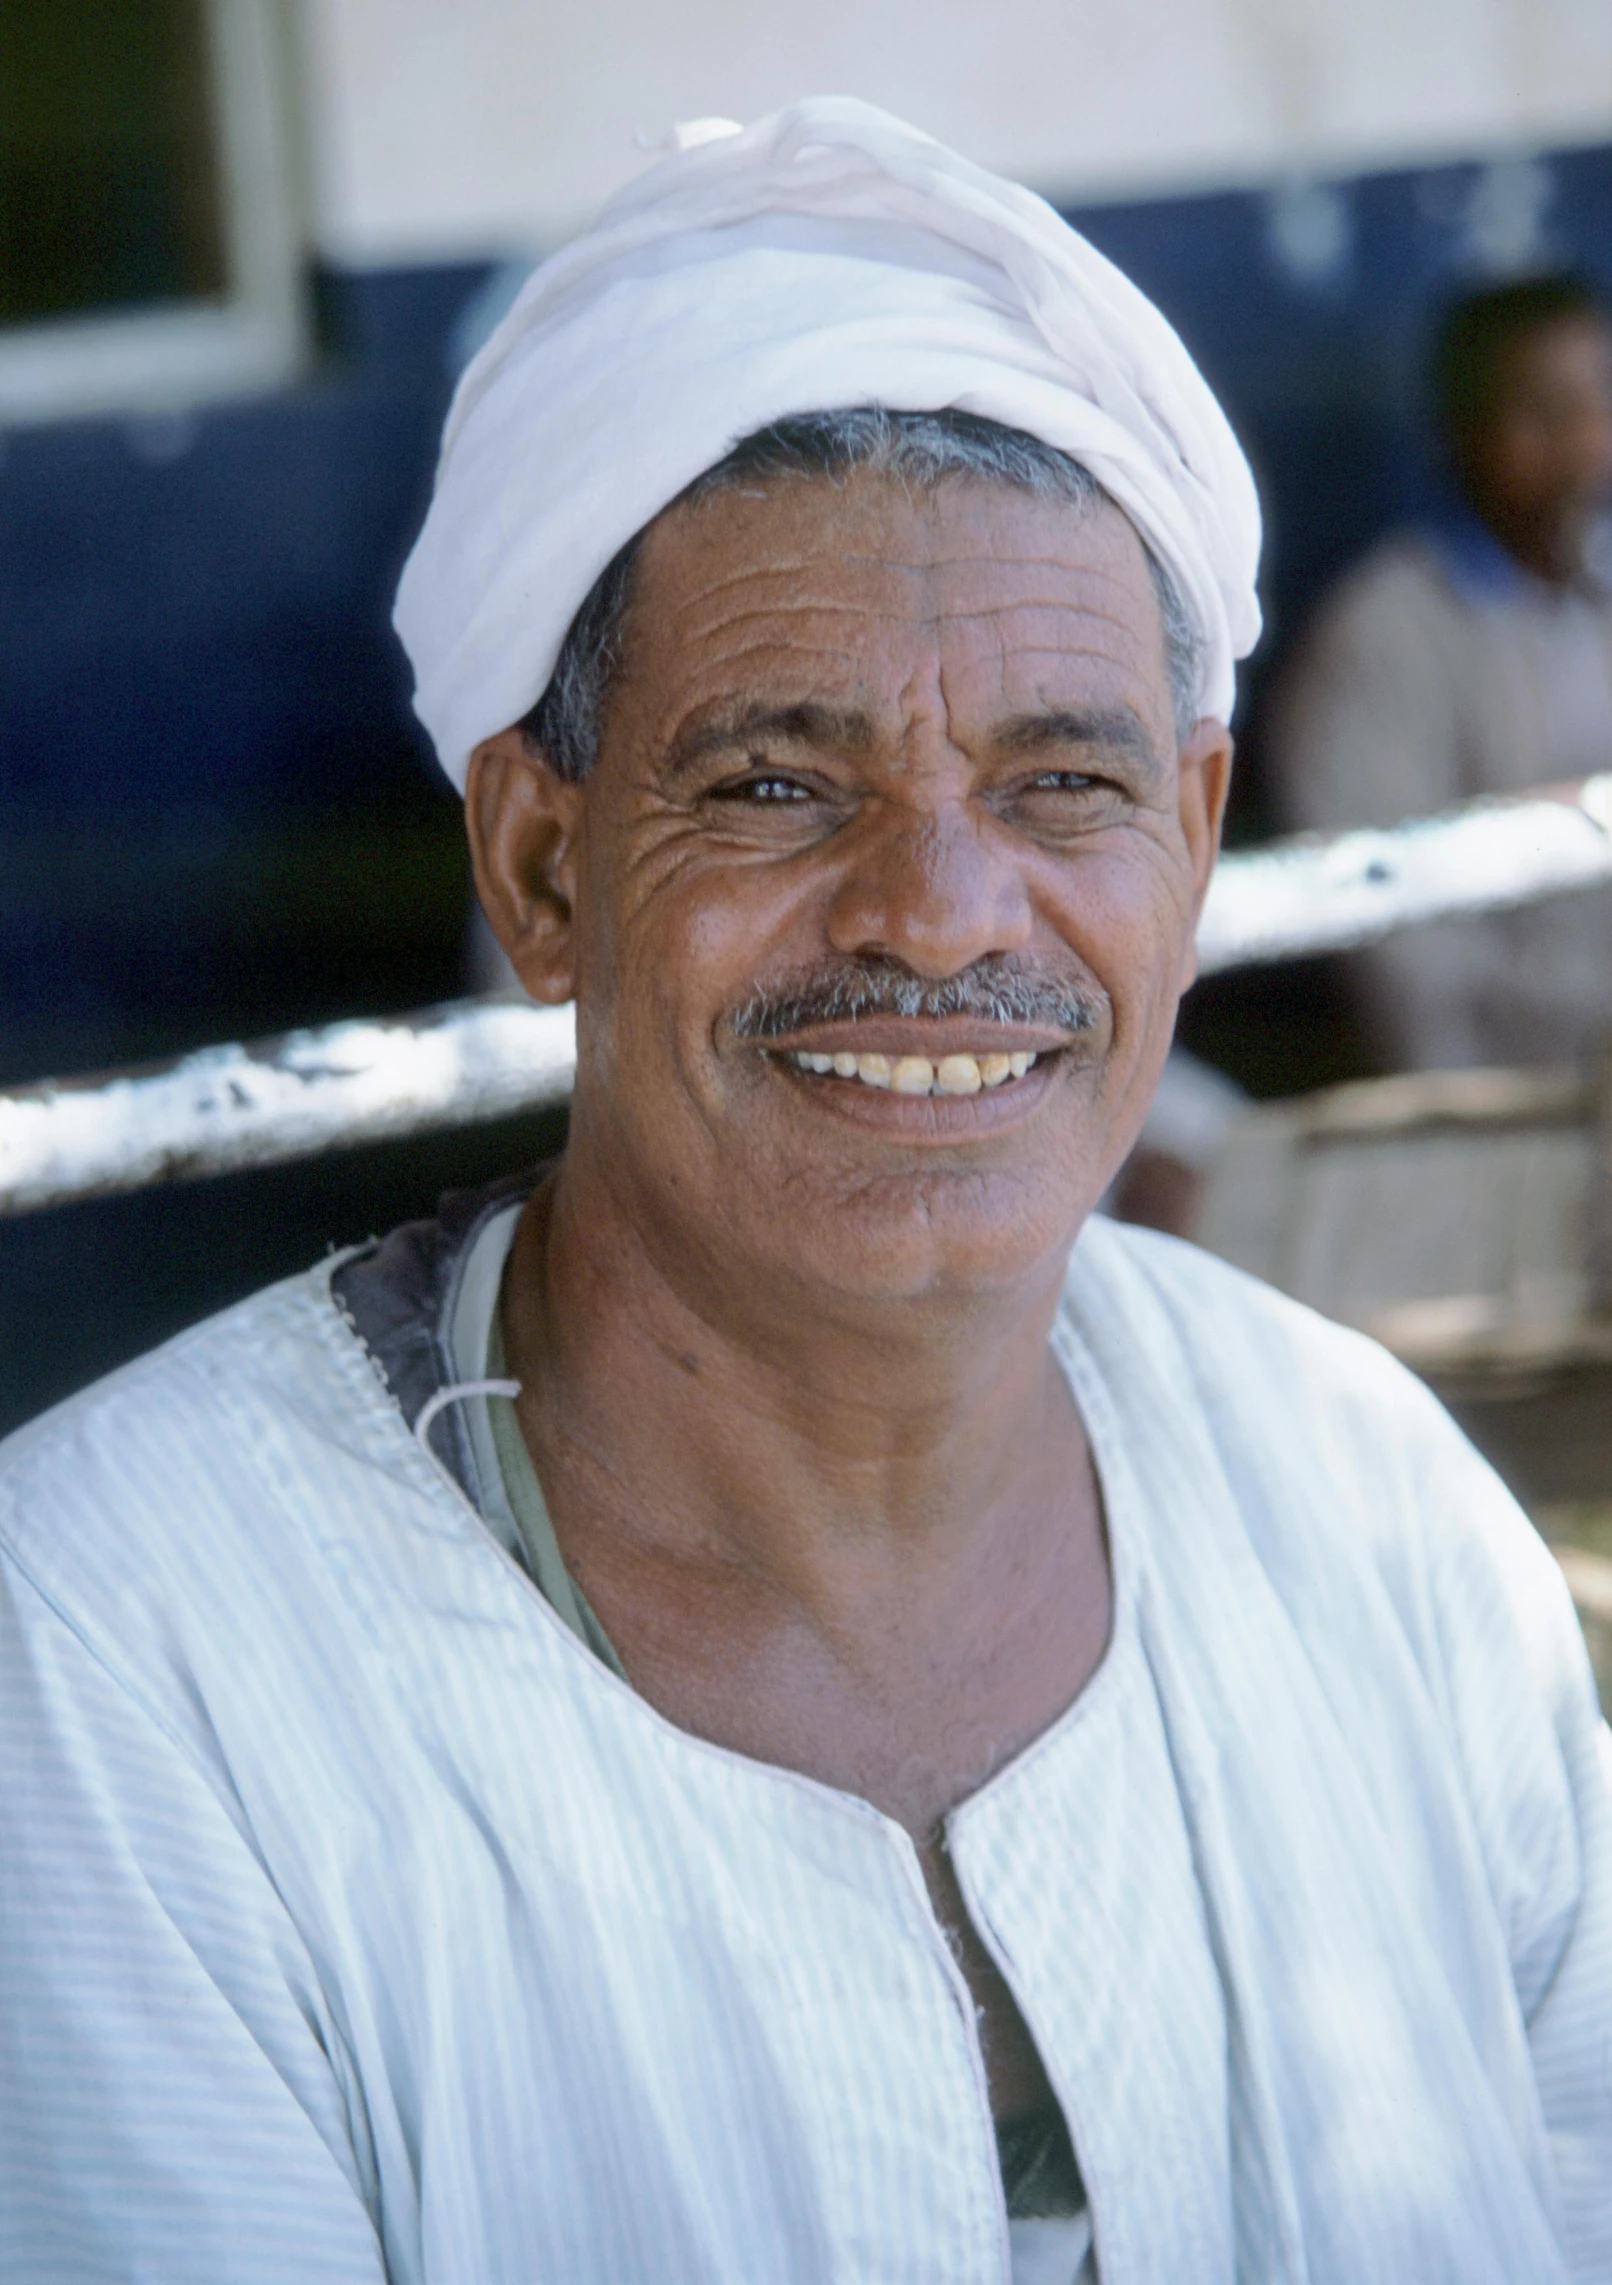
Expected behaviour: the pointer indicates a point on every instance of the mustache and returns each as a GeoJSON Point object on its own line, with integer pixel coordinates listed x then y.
{"type": "Point", "coordinates": [999, 989]}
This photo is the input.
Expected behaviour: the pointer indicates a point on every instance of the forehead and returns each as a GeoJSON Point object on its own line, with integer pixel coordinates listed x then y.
{"type": "Point", "coordinates": [864, 584]}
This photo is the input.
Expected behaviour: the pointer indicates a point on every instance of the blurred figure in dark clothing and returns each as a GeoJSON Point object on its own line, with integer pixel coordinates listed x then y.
{"type": "Point", "coordinates": [1473, 655]}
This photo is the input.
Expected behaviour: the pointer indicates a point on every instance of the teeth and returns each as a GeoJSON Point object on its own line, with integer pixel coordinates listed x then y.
{"type": "Point", "coordinates": [958, 1075]}
{"type": "Point", "coordinates": [915, 1074]}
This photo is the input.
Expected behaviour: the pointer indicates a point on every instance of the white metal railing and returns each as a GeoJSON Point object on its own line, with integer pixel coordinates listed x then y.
{"type": "Point", "coordinates": [1324, 895]}
{"type": "Point", "coordinates": [363, 1081]}
{"type": "Point", "coordinates": [225, 1108]}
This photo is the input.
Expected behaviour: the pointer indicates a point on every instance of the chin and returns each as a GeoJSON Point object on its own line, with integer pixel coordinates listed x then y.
{"type": "Point", "coordinates": [904, 1236]}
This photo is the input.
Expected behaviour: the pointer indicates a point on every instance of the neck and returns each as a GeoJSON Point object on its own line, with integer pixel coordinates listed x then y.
{"type": "Point", "coordinates": [673, 1394]}
{"type": "Point", "coordinates": [1547, 554]}
{"type": "Point", "coordinates": [1551, 548]}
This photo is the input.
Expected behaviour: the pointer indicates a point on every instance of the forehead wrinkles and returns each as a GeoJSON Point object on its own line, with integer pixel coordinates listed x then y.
{"type": "Point", "coordinates": [1000, 597]}
{"type": "Point", "coordinates": [1010, 606]}
{"type": "Point", "coordinates": [869, 543]}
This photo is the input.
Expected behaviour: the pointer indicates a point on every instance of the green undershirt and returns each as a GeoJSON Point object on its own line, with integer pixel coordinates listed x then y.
{"type": "Point", "coordinates": [531, 1513]}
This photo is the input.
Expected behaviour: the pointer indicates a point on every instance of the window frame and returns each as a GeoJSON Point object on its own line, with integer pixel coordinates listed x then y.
{"type": "Point", "coordinates": [174, 355]}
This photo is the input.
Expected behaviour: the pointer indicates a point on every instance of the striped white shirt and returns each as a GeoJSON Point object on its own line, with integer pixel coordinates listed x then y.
{"type": "Point", "coordinates": [357, 1923]}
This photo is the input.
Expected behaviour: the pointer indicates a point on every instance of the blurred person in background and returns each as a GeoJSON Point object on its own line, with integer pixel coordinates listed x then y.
{"type": "Point", "coordinates": [1473, 655]}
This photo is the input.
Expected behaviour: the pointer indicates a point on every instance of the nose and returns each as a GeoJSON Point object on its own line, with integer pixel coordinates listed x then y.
{"type": "Point", "coordinates": [933, 888]}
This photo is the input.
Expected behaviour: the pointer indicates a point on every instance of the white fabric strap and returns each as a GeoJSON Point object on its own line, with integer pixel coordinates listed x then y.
{"type": "Point", "coordinates": [458, 1392]}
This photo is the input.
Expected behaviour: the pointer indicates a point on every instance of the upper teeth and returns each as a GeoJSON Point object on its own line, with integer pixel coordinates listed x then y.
{"type": "Point", "coordinates": [916, 1075]}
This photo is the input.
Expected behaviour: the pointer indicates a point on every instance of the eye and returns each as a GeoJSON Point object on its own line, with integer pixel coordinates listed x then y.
{"type": "Point", "coordinates": [771, 788]}
{"type": "Point", "coordinates": [1062, 804]}
{"type": "Point", "coordinates": [1061, 781]}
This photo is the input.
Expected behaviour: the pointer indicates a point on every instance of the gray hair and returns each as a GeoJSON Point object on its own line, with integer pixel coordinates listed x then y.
{"type": "Point", "coordinates": [920, 450]}
{"type": "Point", "coordinates": [999, 987]}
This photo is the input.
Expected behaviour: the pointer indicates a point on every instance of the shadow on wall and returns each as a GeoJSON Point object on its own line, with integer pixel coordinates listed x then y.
{"type": "Point", "coordinates": [217, 818]}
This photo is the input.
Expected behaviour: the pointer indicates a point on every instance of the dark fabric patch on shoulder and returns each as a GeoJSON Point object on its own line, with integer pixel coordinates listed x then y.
{"type": "Point", "coordinates": [398, 1294]}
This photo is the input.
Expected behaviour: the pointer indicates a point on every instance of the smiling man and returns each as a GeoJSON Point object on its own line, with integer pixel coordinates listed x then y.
{"type": "Point", "coordinates": [773, 1702]}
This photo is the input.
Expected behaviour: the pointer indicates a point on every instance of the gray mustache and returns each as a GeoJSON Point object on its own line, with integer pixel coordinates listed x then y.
{"type": "Point", "coordinates": [1001, 991]}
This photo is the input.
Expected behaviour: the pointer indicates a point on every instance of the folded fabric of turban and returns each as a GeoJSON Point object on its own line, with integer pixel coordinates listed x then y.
{"type": "Point", "coordinates": [828, 256]}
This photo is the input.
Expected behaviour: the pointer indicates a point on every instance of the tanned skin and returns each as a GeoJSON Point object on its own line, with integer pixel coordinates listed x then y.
{"type": "Point", "coordinates": [1538, 466]}
{"type": "Point", "coordinates": [782, 1340]}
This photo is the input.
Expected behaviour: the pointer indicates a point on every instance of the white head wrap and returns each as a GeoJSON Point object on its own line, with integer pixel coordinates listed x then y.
{"type": "Point", "coordinates": [829, 256]}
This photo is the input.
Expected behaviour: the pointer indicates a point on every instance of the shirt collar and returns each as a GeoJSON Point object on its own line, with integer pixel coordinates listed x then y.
{"type": "Point", "coordinates": [1473, 560]}
{"type": "Point", "coordinates": [1482, 571]}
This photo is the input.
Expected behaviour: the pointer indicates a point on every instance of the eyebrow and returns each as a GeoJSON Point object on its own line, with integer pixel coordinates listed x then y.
{"type": "Point", "coordinates": [806, 723]}
{"type": "Point", "coordinates": [809, 722]}
{"type": "Point", "coordinates": [1109, 729]}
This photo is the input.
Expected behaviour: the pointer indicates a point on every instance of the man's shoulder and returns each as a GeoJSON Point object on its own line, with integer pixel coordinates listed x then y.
{"type": "Point", "coordinates": [1395, 593]}
{"type": "Point", "coordinates": [1321, 1433]}
{"type": "Point", "coordinates": [1382, 656]}
{"type": "Point", "coordinates": [200, 1490]}
{"type": "Point", "coordinates": [1338, 1463]}
{"type": "Point", "coordinates": [201, 1392]}
{"type": "Point", "coordinates": [1221, 1318]}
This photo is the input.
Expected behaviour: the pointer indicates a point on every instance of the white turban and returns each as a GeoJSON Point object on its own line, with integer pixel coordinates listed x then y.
{"type": "Point", "coordinates": [829, 256]}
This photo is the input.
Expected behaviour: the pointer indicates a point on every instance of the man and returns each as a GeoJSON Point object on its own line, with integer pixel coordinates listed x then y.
{"type": "Point", "coordinates": [727, 1714]}
{"type": "Point", "coordinates": [1475, 657]}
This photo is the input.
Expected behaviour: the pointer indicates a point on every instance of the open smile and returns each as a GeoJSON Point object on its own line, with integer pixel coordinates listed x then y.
{"type": "Point", "coordinates": [958, 1074]}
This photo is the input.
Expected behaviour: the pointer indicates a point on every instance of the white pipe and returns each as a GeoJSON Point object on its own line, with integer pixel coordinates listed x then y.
{"type": "Point", "coordinates": [225, 1108]}
{"type": "Point", "coordinates": [230, 1107]}
{"type": "Point", "coordinates": [1318, 894]}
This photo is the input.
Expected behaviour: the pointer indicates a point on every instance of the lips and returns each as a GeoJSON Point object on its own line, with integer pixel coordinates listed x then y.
{"type": "Point", "coordinates": [959, 1074]}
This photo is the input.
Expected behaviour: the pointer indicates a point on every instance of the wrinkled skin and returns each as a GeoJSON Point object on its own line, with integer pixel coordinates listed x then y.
{"type": "Point", "coordinates": [1538, 467]}
{"type": "Point", "coordinates": [782, 1339]}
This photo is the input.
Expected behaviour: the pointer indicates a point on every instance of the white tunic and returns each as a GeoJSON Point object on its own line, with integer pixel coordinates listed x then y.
{"type": "Point", "coordinates": [355, 1922]}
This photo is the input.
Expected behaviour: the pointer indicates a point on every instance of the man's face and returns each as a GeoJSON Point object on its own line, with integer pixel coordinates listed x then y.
{"type": "Point", "coordinates": [1539, 466]}
{"type": "Point", "coordinates": [865, 745]}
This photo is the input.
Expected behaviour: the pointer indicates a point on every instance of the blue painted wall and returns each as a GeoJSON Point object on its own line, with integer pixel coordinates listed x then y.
{"type": "Point", "coordinates": [200, 699]}
{"type": "Point", "coordinates": [193, 609]}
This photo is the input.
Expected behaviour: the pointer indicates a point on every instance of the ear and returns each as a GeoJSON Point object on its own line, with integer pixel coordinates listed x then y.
{"type": "Point", "coordinates": [1204, 781]}
{"type": "Point", "coordinates": [523, 824]}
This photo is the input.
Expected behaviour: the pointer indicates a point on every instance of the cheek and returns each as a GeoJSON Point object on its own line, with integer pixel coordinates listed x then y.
{"type": "Point", "coordinates": [1126, 910]}
{"type": "Point", "coordinates": [687, 936]}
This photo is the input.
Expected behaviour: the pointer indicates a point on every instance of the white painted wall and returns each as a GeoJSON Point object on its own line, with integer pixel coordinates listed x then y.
{"type": "Point", "coordinates": [462, 126]}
